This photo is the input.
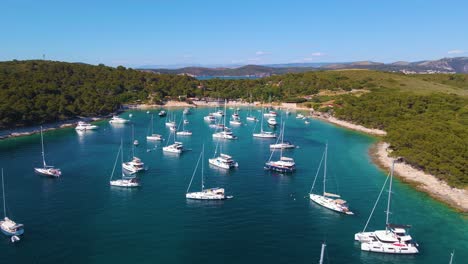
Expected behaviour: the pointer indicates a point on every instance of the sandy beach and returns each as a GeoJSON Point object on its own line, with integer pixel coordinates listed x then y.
{"type": "Point", "coordinates": [457, 198]}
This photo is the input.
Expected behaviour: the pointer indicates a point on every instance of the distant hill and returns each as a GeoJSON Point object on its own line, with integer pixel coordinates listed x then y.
{"type": "Point", "coordinates": [445, 65]}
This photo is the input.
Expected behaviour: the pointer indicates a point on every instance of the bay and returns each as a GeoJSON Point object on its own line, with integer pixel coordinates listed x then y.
{"type": "Point", "coordinates": [79, 218]}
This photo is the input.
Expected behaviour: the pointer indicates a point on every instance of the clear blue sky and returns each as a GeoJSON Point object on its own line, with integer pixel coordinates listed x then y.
{"type": "Point", "coordinates": [167, 32]}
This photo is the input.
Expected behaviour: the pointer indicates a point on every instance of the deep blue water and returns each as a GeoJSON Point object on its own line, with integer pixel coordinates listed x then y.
{"type": "Point", "coordinates": [79, 218]}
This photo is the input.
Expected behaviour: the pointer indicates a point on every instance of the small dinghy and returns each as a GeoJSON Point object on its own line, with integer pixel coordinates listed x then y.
{"type": "Point", "coordinates": [15, 239]}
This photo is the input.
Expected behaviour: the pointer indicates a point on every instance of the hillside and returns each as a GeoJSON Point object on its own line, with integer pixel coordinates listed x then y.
{"type": "Point", "coordinates": [445, 65]}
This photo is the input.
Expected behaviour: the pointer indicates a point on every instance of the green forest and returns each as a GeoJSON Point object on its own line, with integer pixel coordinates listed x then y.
{"type": "Point", "coordinates": [426, 116]}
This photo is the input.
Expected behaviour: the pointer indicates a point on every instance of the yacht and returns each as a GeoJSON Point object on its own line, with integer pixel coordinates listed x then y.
{"type": "Point", "coordinates": [225, 133]}
{"type": "Point", "coordinates": [46, 169]}
{"type": "Point", "coordinates": [135, 165]}
{"type": "Point", "coordinates": [83, 126]}
{"type": "Point", "coordinates": [219, 113]}
{"type": "Point", "coordinates": [176, 148]}
{"type": "Point", "coordinates": [394, 239]}
{"type": "Point", "coordinates": [264, 134]}
{"type": "Point", "coordinates": [284, 165]}
{"type": "Point", "coordinates": [283, 144]}
{"type": "Point", "coordinates": [205, 194]}
{"type": "Point", "coordinates": [8, 226]}
{"type": "Point", "coordinates": [136, 143]}
{"type": "Point", "coordinates": [186, 122]}
{"type": "Point", "coordinates": [186, 111]}
{"type": "Point", "coordinates": [270, 114]}
{"type": "Point", "coordinates": [124, 181]}
{"type": "Point", "coordinates": [118, 120]}
{"type": "Point", "coordinates": [300, 116]}
{"type": "Point", "coordinates": [162, 113]}
{"type": "Point", "coordinates": [328, 200]}
{"type": "Point", "coordinates": [252, 118]}
{"type": "Point", "coordinates": [272, 121]}
{"type": "Point", "coordinates": [152, 136]}
{"type": "Point", "coordinates": [184, 132]}
{"type": "Point", "coordinates": [210, 118]}
{"type": "Point", "coordinates": [223, 161]}
{"type": "Point", "coordinates": [235, 122]}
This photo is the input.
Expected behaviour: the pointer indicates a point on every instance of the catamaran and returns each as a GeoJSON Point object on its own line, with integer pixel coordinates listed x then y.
{"type": "Point", "coordinates": [124, 181]}
{"type": "Point", "coordinates": [394, 239]}
{"type": "Point", "coordinates": [283, 165]}
{"type": "Point", "coordinates": [204, 194]}
{"type": "Point", "coordinates": [152, 136]}
{"type": "Point", "coordinates": [264, 134]}
{"type": "Point", "coordinates": [223, 160]}
{"type": "Point", "coordinates": [46, 169]}
{"type": "Point", "coordinates": [176, 147]}
{"type": "Point", "coordinates": [83, 126]}
{"type": "Point", "coordinates": [135, 165]}
{"type": "Point", "coordinates": [328, 200]}
{"type": "Point", "coordinates": [283, 144]}
{"type": "Point", "coordinates": [118, 120]}
{"type": "Point", "coordinates": [225, 133]}
{"type": "Point", "coordinates": [8, 226]}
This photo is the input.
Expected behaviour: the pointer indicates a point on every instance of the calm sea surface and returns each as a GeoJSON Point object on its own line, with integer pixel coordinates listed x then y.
{"type": "Point", "coordinates": [79, 218]}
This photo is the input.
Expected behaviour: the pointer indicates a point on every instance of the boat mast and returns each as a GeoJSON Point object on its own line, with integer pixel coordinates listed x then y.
{"type": "Point", "coordinates": [43, 154]}
{"type": "Point", "coordinates": [322, 251]}
{"type": "Point", "coordinates": [121, 156]}
{"type": "Point", "coordinates": [261, 127]}
{"type": "Point", "coordinates": [152, 124]}
{"type": "Point", "coordinates": [389, 195]}
{"type": "Point", "coordinates": [451, 255]}
{"type": "Point", "coordinates": [133, 141]}
{"type": "Point", "coordinates": [203, 166]}
{"type": "Point", "coordinates": [224, 121]}
{"type": "Point", "coordinates": [3, 191]}
{"type": "Point", "coordinates": [115, 163]}
{"type": "Point", "coordinates": [325, 167]}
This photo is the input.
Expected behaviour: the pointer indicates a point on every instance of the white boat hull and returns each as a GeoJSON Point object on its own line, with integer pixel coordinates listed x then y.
{"type": "Point", "coordinates": [124, 183]}
{"type": "Point", "coordinates": [184, 133]}
{"type": "Point", "coordinates": [329, 203]}
{"type": "Point", "coordinates": [263, 135]}
{"type": "Point", "coordinates": [282, 146]}
{"type": "Point", "coordinates": [217, 163]}
{"type": "Point", "coordinates": [48, 172]}
{"type": "Point", "coordinates": [154, 138]}
{"type": "Point", "coordinates": [389, 248]}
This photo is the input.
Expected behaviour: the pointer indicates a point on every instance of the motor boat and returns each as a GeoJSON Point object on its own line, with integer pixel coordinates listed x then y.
{"type": "Point", "coordinates": [118, 120]}
{"type": "Point", "coordinates": [83, 126]}
{"type": "Point", "coordinates": [223, 161]}
{"type": "Point", "coordinates": [284, 165]}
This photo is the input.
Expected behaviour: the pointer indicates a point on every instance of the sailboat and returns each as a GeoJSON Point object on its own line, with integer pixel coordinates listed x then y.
{"type": "Point", "coordinates": [328, 200]}
{"type": "Point", "coordinates": [183, 132]}
{"type": "Point", "coordinates": [283, 144]}
{"type": "Point", "coordinates": [223, 160]}
{"type": "Point", "coordinates": [283, 165]}
{"type": "Point", "coordinates": [135, 165]}
{"type": "Point", "coordinates": [250, 117]}
{"type": "Point", "coordinates": [170, 121]}
{"type": "Point", "coordinates": [204, 194]}
{"type": "Point", "coordinates": [152, 136]}
{"type": "Point", "coordinates": [225, 133]}
{"type": "Point", "coordinates": [264, 134]}
{"type": "Point", "coordinates": [235, 119]}
{"type": "Point", "coordinates": [8, 226]}
{"type": "Point", "coordinates": [47, 170]}
{"type": "Point", "coordinates": [394, 239]}
{"type": "Point", "coordinates": [176, 147]}
{"type": "Point", "coordinates": [123, 182]}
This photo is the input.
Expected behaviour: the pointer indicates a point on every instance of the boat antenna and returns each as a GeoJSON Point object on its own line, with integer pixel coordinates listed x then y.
{"type": "Point", "coordinates": [3, 191]}
{"type": "Point", "coordinates": [389, 195]}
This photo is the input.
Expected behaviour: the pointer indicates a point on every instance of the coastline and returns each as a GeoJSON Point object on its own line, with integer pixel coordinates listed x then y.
{"type": "Point", "coordinates": [438, 189]}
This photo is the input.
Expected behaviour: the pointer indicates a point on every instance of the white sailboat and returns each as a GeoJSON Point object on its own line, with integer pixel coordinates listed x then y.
{"type": "Point", "coordinates": [223, 160]}
{"type": "Point", "coordinates": [47, 170]}
{"type": "Point", "coordinates": [124, 181]}
{"type": "Point", "coordinates": [283, 144]}
{"type": "Point", "coordinates": [170, 121]}
{"type": "Point", "coordinates": [204, 194]}
{"type": "Point", "coordinates": [394, 239]}
{"type": "Point", "coordinates": [176, 147]}
{"type": "Point", "coordinates": [152, 136]}
{"type": "Point", "coordinates": [135, 165]}
{"type": "Point", "coordinates": [250, 117]}
{"type": "Point", "coordinates": [184, 132]}
{"type": "Point", "coordinates": [328, 200]}
{"type": "Point", "coordinates": [225, 133]}
{"type": "Point", "coordinates": [235, 119]}
{"type": "Point", "coordinates": [8, 226]}
{"type": "Point", "coordinates": [264, 134]}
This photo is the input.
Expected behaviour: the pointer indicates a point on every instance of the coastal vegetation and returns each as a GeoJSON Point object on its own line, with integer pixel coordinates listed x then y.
{"type": "Point", "coordinates": [425, 116]}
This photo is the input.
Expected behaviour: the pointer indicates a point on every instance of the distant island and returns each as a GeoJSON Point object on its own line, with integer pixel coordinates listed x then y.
{"type": "Point", "coordinates": [445, 65]}
{"type": "Point", "coordinates": [425, 115]}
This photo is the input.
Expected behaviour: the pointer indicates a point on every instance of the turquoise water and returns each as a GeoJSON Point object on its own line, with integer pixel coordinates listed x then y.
{"type": "Point", "coordinates": [79, 218]}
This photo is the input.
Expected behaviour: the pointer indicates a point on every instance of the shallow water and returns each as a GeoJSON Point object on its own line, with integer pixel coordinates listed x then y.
{"type": "Point", "coordinates": [79, 218]}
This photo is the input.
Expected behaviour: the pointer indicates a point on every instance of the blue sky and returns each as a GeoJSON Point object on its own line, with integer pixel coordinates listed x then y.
{"type": "Point", "coordinates": [173, 32]}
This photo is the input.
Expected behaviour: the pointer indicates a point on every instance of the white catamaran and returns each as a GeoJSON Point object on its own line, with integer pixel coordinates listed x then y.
{"type": "Point", "coordinates": [223, 160]}
{"type": "Point", "coordinates": [124, 181]}
{"type": "Point", "coordinates": [8, 226]}
{"type": "Point", "coordinates": [328, 200]}
{"type": "Point", "coordinates": [394, 239]}
{"type": "Point", "coordinates": [135, 165]}
{"type": "Point", "coordinates": [46, 169]}
{"type": "Point", "coordinates": [204, 194]}
{"type": "Point", "coordinates": [283, 144]}
{"type": "Point", "coordinates": [176, 147]}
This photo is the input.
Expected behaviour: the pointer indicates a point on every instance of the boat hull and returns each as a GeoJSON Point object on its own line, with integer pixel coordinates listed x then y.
{"type": "Point", "coordinates": [48, 172]}
{"type": "Point", "coordinates": [204, 196]}
{"type": "Point", "coordinates": [329, 204]}
{"type": "Point", "coordinates": [280, 169]}
{"type": "Point", "coordinates": [124, 184]}
{"type": "Point", "coordinates": [389, 248]}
